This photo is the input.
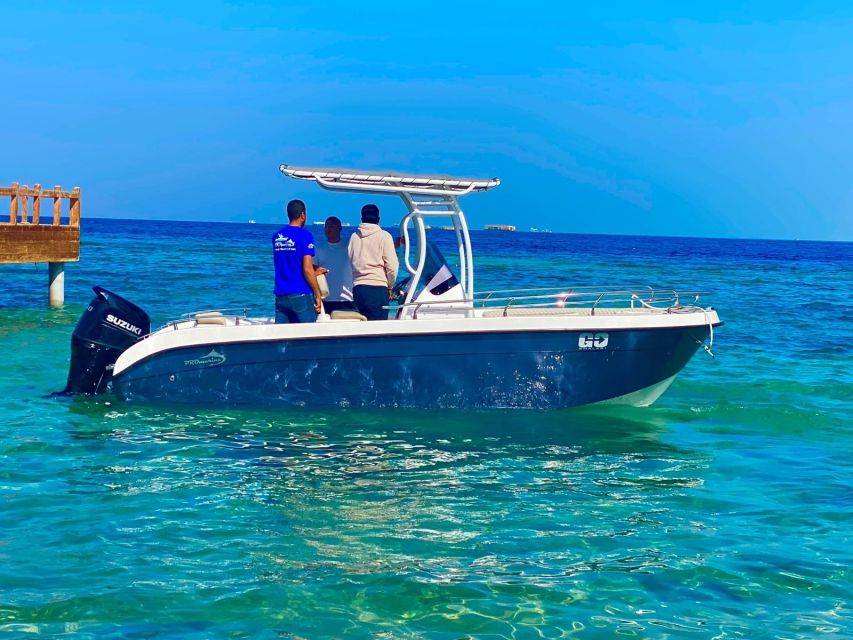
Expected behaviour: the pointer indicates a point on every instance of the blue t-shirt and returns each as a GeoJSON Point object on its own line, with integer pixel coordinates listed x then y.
{"type": "Point", "coordinates": [289, 245]}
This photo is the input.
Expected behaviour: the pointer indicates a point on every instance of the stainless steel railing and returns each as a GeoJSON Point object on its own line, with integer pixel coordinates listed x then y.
{"type": "Point", "coordinates": [590, 297]}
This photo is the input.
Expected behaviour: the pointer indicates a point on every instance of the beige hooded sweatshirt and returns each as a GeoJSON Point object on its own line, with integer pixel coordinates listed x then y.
{"type": "Point", "coordinates": [371, 253]}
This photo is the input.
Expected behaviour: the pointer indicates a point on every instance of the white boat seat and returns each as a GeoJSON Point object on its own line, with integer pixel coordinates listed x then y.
{"type": "Point", "coordinates": [347, 315]}
{"type": "Point", "coordinates": [210, 317]}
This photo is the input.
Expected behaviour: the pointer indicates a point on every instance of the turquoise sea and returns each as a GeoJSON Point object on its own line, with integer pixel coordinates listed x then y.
{"type": "Point", "coordinates": [723, 511]}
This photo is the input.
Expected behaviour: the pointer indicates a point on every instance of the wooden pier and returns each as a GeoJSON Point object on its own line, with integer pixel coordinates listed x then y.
{"type": "Point", "coordinates": [28, 236]}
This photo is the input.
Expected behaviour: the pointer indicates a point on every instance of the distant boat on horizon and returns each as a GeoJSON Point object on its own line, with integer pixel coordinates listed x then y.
{"type": "Point", "coordinates": [499, 227]}
{"type": "Point", "coordinates": [251, 221]}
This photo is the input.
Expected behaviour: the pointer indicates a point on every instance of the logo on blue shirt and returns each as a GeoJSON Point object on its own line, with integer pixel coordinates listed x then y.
{"type": "Point", "coordinates": [282, 243]}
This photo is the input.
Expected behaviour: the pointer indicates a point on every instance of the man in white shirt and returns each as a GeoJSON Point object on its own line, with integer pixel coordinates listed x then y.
{"type": "Point", "coordinates": [333, 256]}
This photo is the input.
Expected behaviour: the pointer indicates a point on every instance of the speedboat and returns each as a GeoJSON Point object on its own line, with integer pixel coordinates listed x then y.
{"type": "Point", "coordinates": [444, 344]}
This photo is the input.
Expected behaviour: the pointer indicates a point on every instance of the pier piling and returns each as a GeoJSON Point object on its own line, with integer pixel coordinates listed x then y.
{"type": "Point", "coordinates": [56, 283]}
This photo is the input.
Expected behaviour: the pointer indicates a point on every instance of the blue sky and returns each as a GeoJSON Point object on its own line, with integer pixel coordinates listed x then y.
{"type": "Point", "coordinates": [666, 119]}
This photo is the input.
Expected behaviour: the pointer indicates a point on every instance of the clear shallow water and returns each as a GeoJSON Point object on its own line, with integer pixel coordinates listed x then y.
{"type": "Point", "coordinates": [723, 511]}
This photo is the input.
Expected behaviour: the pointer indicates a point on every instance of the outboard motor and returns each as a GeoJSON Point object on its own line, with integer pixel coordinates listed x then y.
{"type": "Point", "coordinates": [108, 326]}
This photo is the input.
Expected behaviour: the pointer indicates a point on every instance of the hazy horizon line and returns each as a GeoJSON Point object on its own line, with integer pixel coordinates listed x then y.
{"type": "Point", "coordinates": [540, 232]}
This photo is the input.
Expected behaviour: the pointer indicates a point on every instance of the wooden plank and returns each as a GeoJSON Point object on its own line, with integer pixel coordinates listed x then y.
{"type": "Point", "coordinates": [43, 243]}
{"type": "Point", "coordinates": [41, 232]}
{"type": "Point", "coordinates": [9, 191]}
{"type": "Point", "coordinates": [48, 253]}
{"type": "Point", "coordinates": [34, 243]}
{"type": "Point", "coordinates": [53, 254]}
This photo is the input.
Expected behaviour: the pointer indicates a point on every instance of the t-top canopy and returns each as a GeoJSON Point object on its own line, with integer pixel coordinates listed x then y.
{"type": "Point", "coordinates": [388, 182]}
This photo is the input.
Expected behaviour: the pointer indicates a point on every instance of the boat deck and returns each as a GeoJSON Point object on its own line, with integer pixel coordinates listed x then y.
{"type": "Point", "coordinates": [530, 303]}
{"type": "Point", "coordinates": [224, 319]}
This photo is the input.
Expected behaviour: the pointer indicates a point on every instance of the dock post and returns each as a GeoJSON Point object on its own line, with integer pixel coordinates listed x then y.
{"type": "Point", "coordinates": [13, 204]}
{"type": "Point", "coordinates": [57, 205]}
{"type": "Point", "coordinates": [56, 284]}
{"type": "Point", "coordinates": [24, 200]}
{"type": "Point", "coordinates": [36, 204]}
{"type": "Point", "coordinates": [74, 208]}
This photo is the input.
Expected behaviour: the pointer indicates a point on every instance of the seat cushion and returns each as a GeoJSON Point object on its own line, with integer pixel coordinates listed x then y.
{"type": "Point", "coordinates": [347, 315]}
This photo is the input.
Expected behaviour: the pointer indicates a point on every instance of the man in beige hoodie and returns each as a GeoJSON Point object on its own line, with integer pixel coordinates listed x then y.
{"type": "Point", "coordinates": [374, 265]}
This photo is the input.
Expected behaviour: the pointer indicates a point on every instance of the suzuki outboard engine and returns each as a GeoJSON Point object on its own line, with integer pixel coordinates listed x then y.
{"type": "Point", "coordinates": [109, 326]}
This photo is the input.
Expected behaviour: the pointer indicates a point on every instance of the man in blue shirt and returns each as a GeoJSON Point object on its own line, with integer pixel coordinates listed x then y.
{"type": "Point", "coordinates": [297, 294]}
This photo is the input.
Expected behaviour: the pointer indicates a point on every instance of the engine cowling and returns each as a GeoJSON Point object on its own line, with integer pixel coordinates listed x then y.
{"type": "Point", "coordinates": [107, 328]}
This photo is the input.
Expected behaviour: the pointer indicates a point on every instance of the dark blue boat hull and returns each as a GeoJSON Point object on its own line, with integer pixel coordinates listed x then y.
{"type": "Point", "coordinates": [469, 370]}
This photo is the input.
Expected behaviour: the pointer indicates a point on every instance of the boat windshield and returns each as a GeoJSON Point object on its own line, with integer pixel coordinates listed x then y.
{"type": "Point", "coordinates": [437, 277]}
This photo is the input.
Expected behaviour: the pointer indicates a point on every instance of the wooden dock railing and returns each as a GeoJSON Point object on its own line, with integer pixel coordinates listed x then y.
{"type": "Point", "coordinates": [20, 197]}
{"type": "Point", "coordinates": [26, 237]}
